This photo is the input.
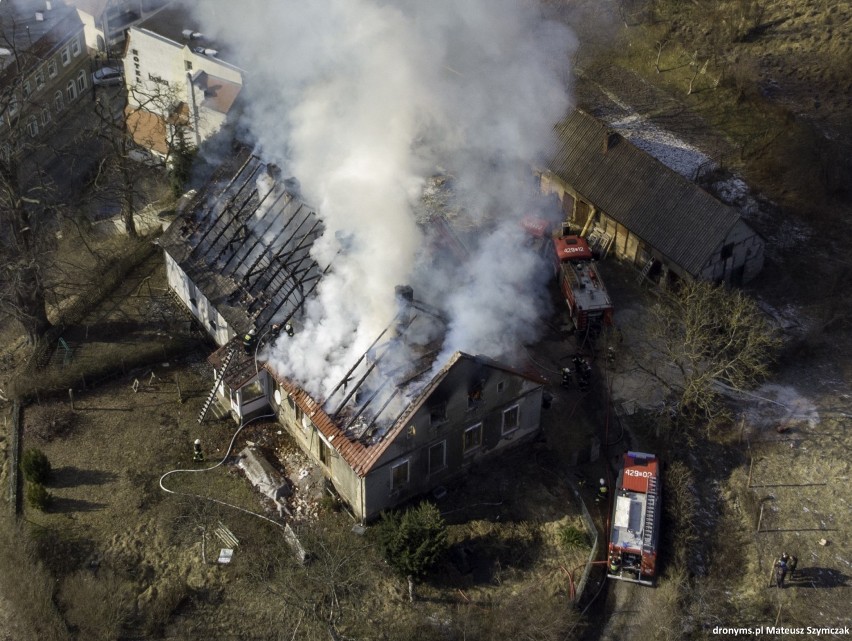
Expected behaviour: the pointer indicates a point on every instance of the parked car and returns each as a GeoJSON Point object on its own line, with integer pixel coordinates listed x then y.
{"type": "Point", "coordinates": [107, 76]}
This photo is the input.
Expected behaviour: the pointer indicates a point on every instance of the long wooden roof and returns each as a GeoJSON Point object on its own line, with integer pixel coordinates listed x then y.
{"type": "Point", "coordinates": [670, 213]}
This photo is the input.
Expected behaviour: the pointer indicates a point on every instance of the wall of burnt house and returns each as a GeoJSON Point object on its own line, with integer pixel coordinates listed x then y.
{"type": "Point", "coordinates": [476, 412]}
{"type": "Point", "coordinates": [300, 427]}
{"type": "Point", "coordinates": [198, 304]}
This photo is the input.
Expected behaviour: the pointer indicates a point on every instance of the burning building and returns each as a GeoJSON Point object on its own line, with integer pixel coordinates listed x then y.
{"type": "Point", "coordinates": [404, 417]}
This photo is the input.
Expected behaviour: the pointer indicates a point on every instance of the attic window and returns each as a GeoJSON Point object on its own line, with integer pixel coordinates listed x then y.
{"type": "Point", "coordinates": [187, 65]}
{"type": "Point", "coordinates": [438, 414]}
{"type": "Point", "coordinates": [501, 386]}
{"type": "Point", "coordinates": [193, 302]}
{"type": "Point", "coordinates": [727, 251]}
{"type": "Point", "coordinates": [474, 397]}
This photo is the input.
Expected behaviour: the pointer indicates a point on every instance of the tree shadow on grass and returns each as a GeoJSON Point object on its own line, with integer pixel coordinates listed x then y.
{"type": "Point", "coordinates": [62, 505]}
{"type": "Point", "coordinates": [70, 476]}
{"type": "Point", "coordinates": [813, 577]}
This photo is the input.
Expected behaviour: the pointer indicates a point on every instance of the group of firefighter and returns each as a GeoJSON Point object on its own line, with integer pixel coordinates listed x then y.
{"type": "Point", "coordinates": [583, 371]}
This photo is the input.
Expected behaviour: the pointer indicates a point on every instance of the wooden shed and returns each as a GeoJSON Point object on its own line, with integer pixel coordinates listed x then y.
{"type": "Point", "coordinates": [652, 216]}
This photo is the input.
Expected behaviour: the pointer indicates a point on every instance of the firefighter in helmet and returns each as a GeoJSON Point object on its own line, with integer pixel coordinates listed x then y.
{"type": "Point", "coordinates": [197, 456]}
{"type": "Point", "coordinates": [603, 491]}
{"type": "Point", "coordinates": [249, 340]}
{"type": "Point", "coordinates": [614, 562]}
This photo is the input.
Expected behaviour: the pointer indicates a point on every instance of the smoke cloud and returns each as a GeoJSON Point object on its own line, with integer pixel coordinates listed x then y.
{"type": "Point", "coordinates": [364, 101]}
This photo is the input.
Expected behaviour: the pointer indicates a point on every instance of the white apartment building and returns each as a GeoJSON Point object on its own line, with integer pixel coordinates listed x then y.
{"type": "Point", "coordinates": [176, 82]}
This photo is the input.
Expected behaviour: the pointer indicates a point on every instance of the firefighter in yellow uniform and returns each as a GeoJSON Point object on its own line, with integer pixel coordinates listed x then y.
{"type": "Point", "coordinates": [603, 492]}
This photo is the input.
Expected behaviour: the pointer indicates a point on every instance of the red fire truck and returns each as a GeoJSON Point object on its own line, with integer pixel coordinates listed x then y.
{"type": "Point", "coordinates": [585, 293]}
{"type": "Point", "coordinates": [635, 531]}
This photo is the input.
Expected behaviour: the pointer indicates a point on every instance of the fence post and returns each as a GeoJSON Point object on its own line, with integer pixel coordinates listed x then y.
{"type": "Point", "coordinates": [71, 396]}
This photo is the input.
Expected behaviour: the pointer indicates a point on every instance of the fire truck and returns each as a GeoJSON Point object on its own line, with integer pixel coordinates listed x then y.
{"type": "Point", "coordinates": [588, 301]}
{"type": "Point", "coordinates": [635, 531]}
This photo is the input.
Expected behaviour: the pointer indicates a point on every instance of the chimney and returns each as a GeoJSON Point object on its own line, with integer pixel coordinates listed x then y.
{"type": "Point", "coordinates": [611, 139]}
{"type": "Point", "coordinates": [404, 299]}
{"type": "Point", "coordinates": [39, 16]}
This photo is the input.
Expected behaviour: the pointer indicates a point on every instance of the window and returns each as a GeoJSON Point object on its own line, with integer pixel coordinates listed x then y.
{"type": "Point", "coordinates": [324, 453]}
{"type": "Point", "coordinates": [438, 414]}
{"type": "Point", "coordinates": [32, 126]}
{"type": "Point", "coordinates": [399, 475]}
{"type": "Point", "coordinates": [511, 420]}
{"type": "Point", "coordinates": [39, 79]}
{"type": "Point", "coordinates": [474, 397]}
{"type": "Point", "coordinates": [51, 68]}
{"type": "Point", "coordinates": [727, 251]}
{"type": "Point", "coordinates": [45, 116]}
{"type": "Point", "coordinates": [58, 101]}
{"type": "Point", "coordinates": [75, 47]}
{"type": "Point", "coordinates": [501, 386]}
{"type": "Point", "coordinates": [71, 90]}
{"type": "Point", "coordinates": [252, 392]}
{"type": "Point", "coordinates": [187, 65]}
{"type": "Point", "coordinates": [472, 438]}
{"type": "Point", "coordinates": [437, 457]}
{"type": "Point", "coordinates": [65, 56]}
{"type": "Point", "coordinates": [27, 89]}
{"type": "Point", "coordinates": [81, 81]}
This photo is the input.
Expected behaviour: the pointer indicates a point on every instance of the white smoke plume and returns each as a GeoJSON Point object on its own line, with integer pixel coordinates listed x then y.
{"type": "Point", "coordinates": [363, 101]}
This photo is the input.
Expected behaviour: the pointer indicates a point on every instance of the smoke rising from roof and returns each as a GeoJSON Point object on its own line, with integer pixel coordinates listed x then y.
{"type": "Point", "coordinates": [363, 101]}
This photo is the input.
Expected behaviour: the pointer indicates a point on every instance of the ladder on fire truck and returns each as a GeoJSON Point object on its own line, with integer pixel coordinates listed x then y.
{"type": "Point", "coordinates": [650, 513]}
{"type": "Point", "coordinates": [211, 397]}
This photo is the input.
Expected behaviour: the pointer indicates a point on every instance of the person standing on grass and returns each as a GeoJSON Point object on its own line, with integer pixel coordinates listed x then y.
{"type": "Point", "coordinates": [780, 571]}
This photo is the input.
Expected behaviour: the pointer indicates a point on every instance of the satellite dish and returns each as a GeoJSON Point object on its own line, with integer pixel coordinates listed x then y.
{"type": "Point", "coordinates": [277, 396]}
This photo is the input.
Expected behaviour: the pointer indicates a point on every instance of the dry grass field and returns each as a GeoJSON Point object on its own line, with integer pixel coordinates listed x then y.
{"type": "Point", "coordinates": [132, 561]}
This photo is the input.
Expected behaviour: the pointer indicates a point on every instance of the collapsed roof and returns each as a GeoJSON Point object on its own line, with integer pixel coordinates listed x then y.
{"type": "Point", "coordinates": [246, 244]}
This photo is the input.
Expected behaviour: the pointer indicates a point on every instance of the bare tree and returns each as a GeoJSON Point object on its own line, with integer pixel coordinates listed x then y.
{"type": "Point", "coordinates": [708, 335]}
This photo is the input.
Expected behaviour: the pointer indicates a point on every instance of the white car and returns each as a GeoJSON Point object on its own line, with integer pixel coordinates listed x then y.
{"type": "Point", "coordinates": [107, 76]}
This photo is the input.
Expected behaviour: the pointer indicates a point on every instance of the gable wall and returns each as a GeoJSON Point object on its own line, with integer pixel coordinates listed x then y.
{"type": "Point", "coordinates": [413, 445]}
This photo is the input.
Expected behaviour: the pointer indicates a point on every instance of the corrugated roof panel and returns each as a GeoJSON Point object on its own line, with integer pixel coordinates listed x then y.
{"type": "Point", "coordinates": [670, 213]}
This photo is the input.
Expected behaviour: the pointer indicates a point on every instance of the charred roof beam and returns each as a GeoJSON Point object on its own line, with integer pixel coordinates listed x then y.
{"type": "Point", "coordinates": [231, 200]}
{"type": "Point", "coordinates": [280, 233]}
{"type": "Point", "coordinates": [348, 374]}
{"type": "Point", "coordinates": [270, 277]}
{"type": "Point", "coordinates": [234, 240]}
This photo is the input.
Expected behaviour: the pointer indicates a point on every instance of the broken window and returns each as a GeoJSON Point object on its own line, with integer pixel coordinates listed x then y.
{"type": "Point", "coordinates": [438, 414]}
{"type": "Point", "coordinates": [501, 386]}
{"type": "Point", "coordinates": [511, 420]}
{"type": "Point", "coordinates": [252, 392]}
{"type": "Point", "coordinates": [324, 453]}
{"type": "Point", "coordinates": [474, 396]}
{"type": "Point", "coordinates": [437, 457]}
{"type": "Point", "coordinates": [472, 438]}
{"type": "Point", "coordinates": [399, 475]}
{"type": "Point", "coordinates": [727, 251]}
